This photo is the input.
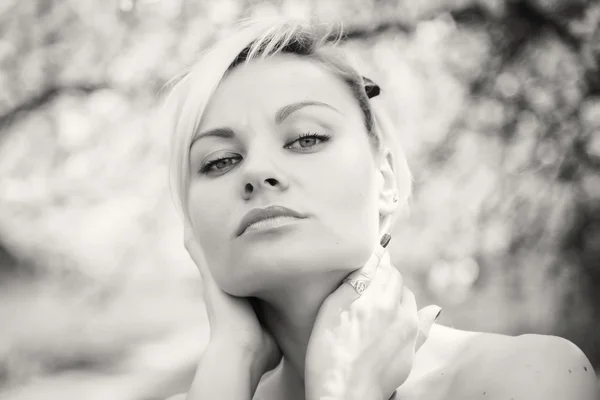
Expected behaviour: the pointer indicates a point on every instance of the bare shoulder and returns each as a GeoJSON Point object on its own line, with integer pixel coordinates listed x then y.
{"type": "Point", "coordinates": [527, 366]}
{"type": "Point", "coordinates": [437, 364]}
{"type": "Point", "coordinates": [459, 364]}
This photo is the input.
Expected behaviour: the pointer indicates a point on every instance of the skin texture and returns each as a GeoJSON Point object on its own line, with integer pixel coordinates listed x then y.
{"type": "Point", "coordinates": [342, 185]}
{"type": "Point", "coordinates": [334, 182]}
{"type": "Point", "coordinates": [344, 188]}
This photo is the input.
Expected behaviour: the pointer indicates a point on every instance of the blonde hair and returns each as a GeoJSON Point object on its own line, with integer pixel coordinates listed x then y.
{"type": "Point", "coordinates": [254, 39]}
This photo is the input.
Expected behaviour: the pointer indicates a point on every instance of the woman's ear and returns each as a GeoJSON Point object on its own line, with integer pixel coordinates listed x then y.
{"type": "Point", "coordinates": [388, 190]}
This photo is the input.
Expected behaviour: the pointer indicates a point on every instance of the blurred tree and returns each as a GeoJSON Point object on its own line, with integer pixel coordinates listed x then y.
{"type": "Point", "coordinates": [8, 263]}
{"type": "Point", "coordinates": [498, 102]}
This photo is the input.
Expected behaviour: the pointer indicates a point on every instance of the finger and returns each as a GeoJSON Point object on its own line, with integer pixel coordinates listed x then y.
{"type": "Point", "coordinates": [361, 278]}
{"type": "Point", "coordinates": [408, 304]}
{"type": "Point", "coordinates": [189, 238]}
{"type": "Point", "coordinates": [343, 297]}
{"type": "Point", "coordinates": [193, 248]}
{"type": "Point", "coordinates": [427, 317]}
{"type": "Point", "coordinates": [195, 251]}
{"type": "Point", "coordinates": [380, 252]}
{"type": "Point", "coordinates": [387, 285]}
{"type": "Point", "coordinates": [366, 273]}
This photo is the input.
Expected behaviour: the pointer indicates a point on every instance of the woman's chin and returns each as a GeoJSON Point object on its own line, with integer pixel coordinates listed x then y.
{"type": "Point", "coordinates": [266, 285]}
{"type": "Point", "coordinates": [281, 266]}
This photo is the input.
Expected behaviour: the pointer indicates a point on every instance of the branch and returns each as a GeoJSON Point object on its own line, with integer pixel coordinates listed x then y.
{"type": "Point", "coordinates": [540, 19]}
{"type": "Point", "coordinates": [590, 160]}
{"type": "Point", "coordinates": [44, 98]}
{"type": "Point", "coordinates": [365, 32]}
{"type": "Point", "coordinates": [510, 33]}
{"type": "Point", "coordinates": [473, 14]}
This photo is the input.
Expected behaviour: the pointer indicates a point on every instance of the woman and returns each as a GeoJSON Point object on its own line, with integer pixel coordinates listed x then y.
{"type": "Point", "coordinates": [288, 177]}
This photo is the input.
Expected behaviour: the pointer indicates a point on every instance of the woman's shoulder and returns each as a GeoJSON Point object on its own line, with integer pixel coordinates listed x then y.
{"type": "Point", "coordinates": [532, 366]}
{"type": "Point", "coordinates": [475, 364]}
{"type": "Point", "coordinates": [437, 364]}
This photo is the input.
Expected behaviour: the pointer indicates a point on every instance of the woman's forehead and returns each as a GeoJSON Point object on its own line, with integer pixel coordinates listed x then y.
{"type": "Point", "coordinates": [265, 86]}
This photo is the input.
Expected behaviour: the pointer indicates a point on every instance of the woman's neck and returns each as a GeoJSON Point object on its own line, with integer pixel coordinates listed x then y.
{"type": "Point", "coordinates": [289, 312]}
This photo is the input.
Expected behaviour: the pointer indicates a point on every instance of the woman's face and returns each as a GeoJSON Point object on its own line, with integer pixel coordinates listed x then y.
{"type": "Point", "coordinates": [283, 132]}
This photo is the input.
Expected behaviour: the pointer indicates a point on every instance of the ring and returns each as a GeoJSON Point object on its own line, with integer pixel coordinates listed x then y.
{"type": "Point", "coordinates": [358, 284]}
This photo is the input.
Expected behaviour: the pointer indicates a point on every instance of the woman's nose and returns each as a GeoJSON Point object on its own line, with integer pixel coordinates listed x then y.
{"type": "Point", "coordinates": [261, 174]}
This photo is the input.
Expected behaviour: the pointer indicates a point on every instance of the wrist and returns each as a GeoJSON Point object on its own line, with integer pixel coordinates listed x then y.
{"type": "Point", "coordinates": [232, 353]}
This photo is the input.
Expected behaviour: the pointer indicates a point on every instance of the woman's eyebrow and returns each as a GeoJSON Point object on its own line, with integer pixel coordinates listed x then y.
{"type": "Point", "coordinates": [280, 116]}
{"type": "Point", "coordinates": [285, 111]}
{"type": "Point", "coordinates": [217, 132]}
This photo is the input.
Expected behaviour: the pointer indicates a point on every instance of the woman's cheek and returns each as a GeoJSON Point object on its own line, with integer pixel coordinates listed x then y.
{"type": "Point", "coordinates": [354, 181]}
{"type": "Point", "coordinates": [349, 198]}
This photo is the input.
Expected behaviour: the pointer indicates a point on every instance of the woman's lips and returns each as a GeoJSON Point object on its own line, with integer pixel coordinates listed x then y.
{"type": "Point", "coordinates": [270, 223]}
{"type": "Point", "coordinates": [278, 214]}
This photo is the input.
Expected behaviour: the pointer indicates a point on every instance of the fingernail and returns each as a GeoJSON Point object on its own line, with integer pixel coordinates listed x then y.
{"type": "Point", "coordinates": [385, 240]}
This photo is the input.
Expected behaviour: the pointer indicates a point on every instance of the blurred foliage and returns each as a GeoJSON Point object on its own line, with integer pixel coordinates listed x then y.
{"type": "Point", "coordinates": [497, 104]}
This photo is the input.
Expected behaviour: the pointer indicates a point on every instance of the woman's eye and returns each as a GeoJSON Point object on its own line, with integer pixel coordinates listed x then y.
{"type": "Point", "coordinates": [219, 164]}
{"type": "Point", "coordinates": [308, 140]}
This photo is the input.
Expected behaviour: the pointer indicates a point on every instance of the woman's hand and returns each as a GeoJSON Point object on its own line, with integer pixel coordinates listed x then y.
{"type": "Point", "coordinates": [233, 320]}
{"type": "Point", "coordinates": [363, 346]}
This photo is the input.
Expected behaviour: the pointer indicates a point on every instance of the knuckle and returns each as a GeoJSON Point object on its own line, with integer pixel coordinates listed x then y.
{"type": "Point", "coordinates": [366, 274]}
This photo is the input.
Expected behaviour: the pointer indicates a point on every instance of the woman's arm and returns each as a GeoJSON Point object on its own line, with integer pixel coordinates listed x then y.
{"type": "Point", "coordinates": [240, 350]}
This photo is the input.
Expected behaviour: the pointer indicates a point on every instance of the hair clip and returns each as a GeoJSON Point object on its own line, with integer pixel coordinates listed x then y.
{"type": "Point", "coordinates": [371, 88]}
